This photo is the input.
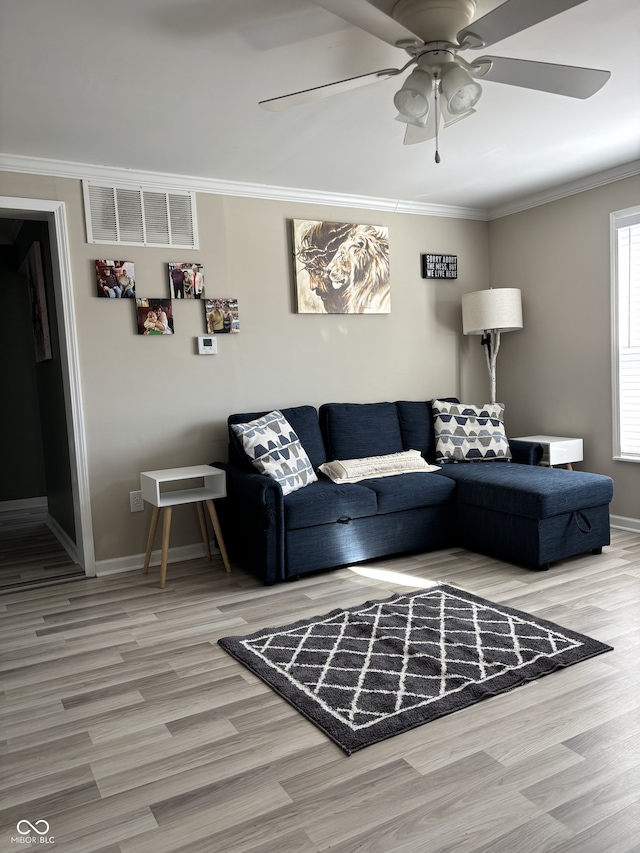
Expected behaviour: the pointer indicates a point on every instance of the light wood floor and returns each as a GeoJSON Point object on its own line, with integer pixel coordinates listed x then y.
{"type": "Point", "coordinates": [129, 730]}
{"type": "Point", "coordinates": [30, 555]}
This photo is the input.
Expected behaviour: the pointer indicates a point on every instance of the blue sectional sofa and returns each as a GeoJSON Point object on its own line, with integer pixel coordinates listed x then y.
{"type": "Point", "coordinates": [512, 510]}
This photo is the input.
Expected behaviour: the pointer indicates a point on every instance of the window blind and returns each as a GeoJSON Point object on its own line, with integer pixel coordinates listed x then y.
{"type": "Point", "coordinates": [626, 334]}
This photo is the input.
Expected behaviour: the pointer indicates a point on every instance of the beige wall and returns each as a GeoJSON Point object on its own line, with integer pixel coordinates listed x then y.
{"type": "Point", "coordinates": [152, 403]}
{"type": "Point", "coordinates": [555, 375]}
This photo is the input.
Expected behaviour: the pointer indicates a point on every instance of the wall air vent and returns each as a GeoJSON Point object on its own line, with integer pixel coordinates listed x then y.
{"type": "Point", "coordinates": [139, 216]}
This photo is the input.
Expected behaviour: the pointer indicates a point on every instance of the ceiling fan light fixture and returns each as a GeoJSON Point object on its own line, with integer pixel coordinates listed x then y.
{"type": "Point", "coordinates": [449, 118]}
{"type": "Point", "coordinates": [452, 119]}
{"type": "Point", "coordinates": [414, 122]}
{"type": "Point", "coordinates": [412, 99]}
{"type": "Point", "coordinates": [459, 89]}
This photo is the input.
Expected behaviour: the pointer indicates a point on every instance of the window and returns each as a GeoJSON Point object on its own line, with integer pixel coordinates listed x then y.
{"type": "Point", "coordinates": [625, 290]}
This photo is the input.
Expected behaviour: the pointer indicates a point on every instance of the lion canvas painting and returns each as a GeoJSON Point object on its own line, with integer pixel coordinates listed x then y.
{"type": "Point", "coordinates": [341, 268]}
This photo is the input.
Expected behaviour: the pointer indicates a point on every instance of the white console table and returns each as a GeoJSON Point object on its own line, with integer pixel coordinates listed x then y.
{"type": "Point", "coordinates": [558, 450]}
{"type": "Point", "coordinates": [199, 484]}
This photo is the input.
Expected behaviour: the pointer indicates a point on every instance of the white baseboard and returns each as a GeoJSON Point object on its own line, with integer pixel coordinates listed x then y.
{"type": "Point", "coordinates": [25, 503]}
{"type": "Point", "coordinates": [622, 523]}
{"type": "Point", "coordinates": [135, 562]}
{"type": "Point", "coordinates": [63, 538]}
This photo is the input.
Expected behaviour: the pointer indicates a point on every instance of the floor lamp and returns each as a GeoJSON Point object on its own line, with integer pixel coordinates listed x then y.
{"type": "Point", "coordinates": [487, 313]}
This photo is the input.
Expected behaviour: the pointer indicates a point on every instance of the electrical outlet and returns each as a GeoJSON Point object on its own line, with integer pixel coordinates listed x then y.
{"type": "Point", "coordinates": [135, 501]}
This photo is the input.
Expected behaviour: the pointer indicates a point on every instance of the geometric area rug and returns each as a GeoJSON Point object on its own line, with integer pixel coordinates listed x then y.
{"type": "Point", "coordinates": [370, 672]}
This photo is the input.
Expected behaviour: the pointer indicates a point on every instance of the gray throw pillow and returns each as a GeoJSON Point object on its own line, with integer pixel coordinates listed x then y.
{"type": "Point", "coordinates": [466, 433]}
{"type": "Point", "coordinates": [274, 449]}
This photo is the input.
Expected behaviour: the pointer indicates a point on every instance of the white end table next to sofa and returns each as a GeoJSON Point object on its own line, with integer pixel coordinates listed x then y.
{"type": "Point", "coordinates": [212, 484]}
{"type": "Point", "coordinates": [557, 449]}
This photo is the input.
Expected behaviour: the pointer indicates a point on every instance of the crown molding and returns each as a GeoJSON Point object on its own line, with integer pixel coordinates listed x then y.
{"type": "Point", "coordinates": [86, 171]}
{"type": "Point", "coordinates": [591, 182]}
{"type": "Point", "coordinates": [110, 174]}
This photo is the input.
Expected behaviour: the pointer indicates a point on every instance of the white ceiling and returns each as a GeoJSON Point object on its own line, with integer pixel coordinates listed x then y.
{"type": "Point", "coordinates": [172, 86]}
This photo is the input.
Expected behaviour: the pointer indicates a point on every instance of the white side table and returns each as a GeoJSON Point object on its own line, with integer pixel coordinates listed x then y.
{"type": "Point", "coordinates": [557, 449]}
{"type": "Point", "coordinates": [199, 484]}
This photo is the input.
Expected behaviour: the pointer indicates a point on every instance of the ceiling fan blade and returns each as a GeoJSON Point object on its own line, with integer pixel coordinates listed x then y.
{"type": "Point", "coordinates": [362, 14]}
{"type": "Point", "coordinates": [569, 80]}
{"type": "Point", "coordinates": [510, 18]}
{"type": "Point", "coordinates": [306, 95]}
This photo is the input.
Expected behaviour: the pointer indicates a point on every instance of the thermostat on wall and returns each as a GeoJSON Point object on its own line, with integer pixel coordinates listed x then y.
{"type": "Point", "coordinates": [207, 345]}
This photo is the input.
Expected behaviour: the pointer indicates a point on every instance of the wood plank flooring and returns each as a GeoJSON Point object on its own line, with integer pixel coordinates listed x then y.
{"type": "Point", "coordinates": [129, 730]}
{"type": "Point", "coordinates": [30, 555]}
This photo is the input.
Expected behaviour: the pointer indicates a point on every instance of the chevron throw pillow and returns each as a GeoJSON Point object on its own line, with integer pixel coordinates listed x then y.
{"type": "Point", "coordinates": [467, 433]}
{"type": "Point", "coordinates": [274, 449]}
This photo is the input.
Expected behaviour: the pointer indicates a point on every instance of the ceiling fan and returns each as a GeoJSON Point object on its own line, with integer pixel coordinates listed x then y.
{"type": "Point", "coordinates": [443, 87]}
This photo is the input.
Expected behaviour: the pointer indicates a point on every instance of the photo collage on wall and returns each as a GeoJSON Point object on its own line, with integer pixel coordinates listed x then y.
{"type": "Point", "coordinates": [155, 315]}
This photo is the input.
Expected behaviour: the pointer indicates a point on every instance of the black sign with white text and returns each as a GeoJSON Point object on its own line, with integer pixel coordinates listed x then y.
{"type": "Point", "coordinates": [439, 266]}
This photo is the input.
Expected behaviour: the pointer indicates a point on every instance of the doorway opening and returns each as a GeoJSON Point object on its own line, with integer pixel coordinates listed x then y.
{"type": "Point", "coordinates": [52, 423]}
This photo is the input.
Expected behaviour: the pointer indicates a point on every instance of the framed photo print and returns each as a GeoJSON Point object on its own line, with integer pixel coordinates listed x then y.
{"type": "Point", "coordinates": [155, 316]}
{"type": "Point", "coordinates": [341, 268]}
{"type": "Point", "coordinates": [32, 268]}
{"type": "Point", "coordinates": [116, 279]}
{"type": "Point", "coordinates": [186, 280]}
{"type": "Point", "coordinates": [221, 316]}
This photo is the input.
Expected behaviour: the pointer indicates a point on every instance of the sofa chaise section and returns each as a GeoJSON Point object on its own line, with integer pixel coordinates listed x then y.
{"type": "Point", "coordinates": [530, 515]}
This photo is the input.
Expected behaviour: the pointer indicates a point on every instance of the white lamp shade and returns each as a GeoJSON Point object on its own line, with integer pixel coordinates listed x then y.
{"type": "Point", "coordinates": [498, 309]}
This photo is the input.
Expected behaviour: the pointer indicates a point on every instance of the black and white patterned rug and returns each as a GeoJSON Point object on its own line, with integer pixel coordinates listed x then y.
{"type": "Point", "coordinates": [370, 672]}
